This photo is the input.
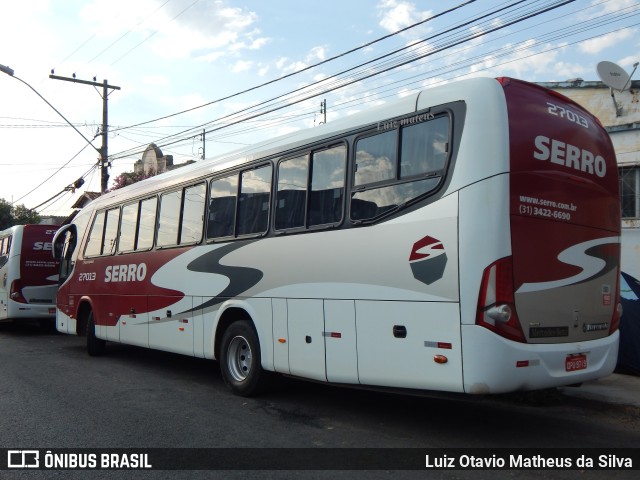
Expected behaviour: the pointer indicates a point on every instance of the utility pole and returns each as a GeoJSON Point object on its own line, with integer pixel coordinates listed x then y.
{"type": "Point", "coordinates": [203, 143]}
{"type": "Point", "coordinates": [104, 151]}
{"type": "Point", "coordinates": [323, 110]}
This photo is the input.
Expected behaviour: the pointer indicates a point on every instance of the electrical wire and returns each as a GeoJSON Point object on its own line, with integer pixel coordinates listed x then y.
{"type": "Point", "coordinates": [265, 108]}
{"type": "Point", "coordinates": [53, 174]}
{"type": "Point", "coordinates": [297, 72]}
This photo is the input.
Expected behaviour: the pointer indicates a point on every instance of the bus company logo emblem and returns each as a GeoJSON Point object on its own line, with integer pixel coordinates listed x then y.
{"type": "Point", "coordinates": [23, 458]}
{"type": "Point", "coordinates": [595, 327]}
{"type": "Point", "coordinates": [428, 260]}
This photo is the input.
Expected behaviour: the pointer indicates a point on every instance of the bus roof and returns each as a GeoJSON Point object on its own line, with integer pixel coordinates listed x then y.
{"type": "Point", "coordinates": [268, 148]}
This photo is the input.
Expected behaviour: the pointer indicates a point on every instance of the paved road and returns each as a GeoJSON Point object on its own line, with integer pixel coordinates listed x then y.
{"type": "Point", "coordinates": [53, 395]}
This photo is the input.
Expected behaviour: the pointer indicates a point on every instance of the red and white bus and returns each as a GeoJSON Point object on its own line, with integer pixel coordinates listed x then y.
{"type": "Point", "coordinates": [464, 239]}
{"type": "Point", "coordinates": [28, 274]}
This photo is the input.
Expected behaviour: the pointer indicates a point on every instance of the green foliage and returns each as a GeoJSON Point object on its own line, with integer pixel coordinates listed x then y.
{"type": "Point", "coordinates": [11, 215]}
{"type": "Point", "coordinates": [23, 215]}
{"type": "Point", "coordinates": [6, 219]}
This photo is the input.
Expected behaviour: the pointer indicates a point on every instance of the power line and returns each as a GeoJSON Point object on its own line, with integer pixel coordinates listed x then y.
{"type": "Point", "coordinates": [53, 174]}
{"type": "Point", "coordinates": [562, 33]}
{"type": "Point", "coordinates": [297, 72]}
{"type": "Point", "coordinates": [266, 109]}
{"type": "Point", "coordinates": [128, 32]}
{"type": "Point", "coordinates": [498, 53]}
{"type": "Point", "coordinates": [595, 22]}
{"type": "Point", "coordinates": [154, 32]}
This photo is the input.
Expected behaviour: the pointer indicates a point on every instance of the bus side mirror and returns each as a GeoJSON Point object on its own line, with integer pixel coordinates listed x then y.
{"type": "Point", "coordinates": [58, 240]}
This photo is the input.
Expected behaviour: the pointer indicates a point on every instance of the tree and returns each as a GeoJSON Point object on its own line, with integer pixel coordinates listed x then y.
{"type": "Point", "coordinates": [11, 215]}
{"type": "Point", "coordinates": [129, 178]}
{"type": "Point", "coordinates": [6, 219]}
{"type": "Point", "coordinates": [23, 215]}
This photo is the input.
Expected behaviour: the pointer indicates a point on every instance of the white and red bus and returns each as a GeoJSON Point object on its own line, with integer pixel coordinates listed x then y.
{"type": "Point", "coordinates": [463, 239]}
{"type": "Point", "coordinates": [28, 274]}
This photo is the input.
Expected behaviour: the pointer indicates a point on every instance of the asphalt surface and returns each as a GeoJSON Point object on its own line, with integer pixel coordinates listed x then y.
{"type": "Point", "coordinates": [616, 389]}
{"type": "Point", "coordinates": [53, 395]}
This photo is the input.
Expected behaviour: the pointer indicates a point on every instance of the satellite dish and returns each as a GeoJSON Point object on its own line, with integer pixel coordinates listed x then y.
{"type": "Point", "coordinates": [613, 76]}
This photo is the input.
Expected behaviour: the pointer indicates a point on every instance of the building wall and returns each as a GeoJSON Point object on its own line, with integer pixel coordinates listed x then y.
{"type": "Point", "coordinates": [153, 161]}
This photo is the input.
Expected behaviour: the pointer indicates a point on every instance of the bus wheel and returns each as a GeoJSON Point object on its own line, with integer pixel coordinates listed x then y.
{"type": "Point", "coordinates": [95, 345]}
{"type": "Point", "coordinates": [240, 360]}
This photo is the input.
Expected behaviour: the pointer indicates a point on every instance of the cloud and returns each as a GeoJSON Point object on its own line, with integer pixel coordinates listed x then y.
{"type": "Point", "coordinates": [596, 45]}
{"type": "Point", "coordinates": [396, 15]}
{"type": "Point", "coordinates": [613, 5]}
{"type": "Point", "coordinates": [174, 30]}
{"type": "Point", "coordinates": [317, 54]}
{"type": "Point", "coordinates": [241, 66]}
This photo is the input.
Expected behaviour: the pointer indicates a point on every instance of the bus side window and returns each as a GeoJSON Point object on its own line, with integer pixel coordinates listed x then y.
{"type": "Point", "coordinates": [169, 218]}
{"type": "Point", "coordinates": [253, 204]}
{"type": "Point", "coordinates": [127, 241]}
{"type": "Point", "coordinates": [222, 207]}
{"type": "Point", "coordinates": [424, 151]}
{"type": "Point", "coordinates": [424, 148]}
{"type": "Point", "coordinates": [192, 214]}
{"type": "Point", "coordinates": [94, 243]}
{"type": "Point", "coordinates": [147, 223]}
{"type": "Point", "coordinates": [111, 232]}
{"type": "Point", "coordinates": [376, 158]}
{"type": "Point", "coordinates": [138, 226]}
{"type": "Point", "coordinates": [291, 195]}
{"type": "Point", "coordinates": [327, 185]}
{"type": "Point", "coordinates": [311, 189]}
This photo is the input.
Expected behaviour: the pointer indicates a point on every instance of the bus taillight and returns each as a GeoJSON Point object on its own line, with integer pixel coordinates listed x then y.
{"type": "Point", "coordinates": [496, 306]}
{"type": "Point", "coordinates": [15, 293]}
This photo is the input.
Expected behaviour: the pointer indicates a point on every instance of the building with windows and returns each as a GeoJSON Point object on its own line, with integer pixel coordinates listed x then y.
{"type": "Point", "coordinates": [619, 112]}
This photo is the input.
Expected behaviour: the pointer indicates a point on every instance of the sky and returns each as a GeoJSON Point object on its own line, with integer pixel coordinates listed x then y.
{"type": "Point", "coordinates": [204, 77]}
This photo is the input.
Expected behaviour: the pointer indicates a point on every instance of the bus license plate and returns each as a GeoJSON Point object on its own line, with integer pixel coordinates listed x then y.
{"type": "Point", "coordinates": [575, 362]}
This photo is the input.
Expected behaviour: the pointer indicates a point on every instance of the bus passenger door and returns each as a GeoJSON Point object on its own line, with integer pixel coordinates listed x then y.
{"type": "Point", "coordinates": [64, 250]}
{"type": "Point", "coordinates": [340, 341]}
{"type": "Point", "coordinates": [306, 338]}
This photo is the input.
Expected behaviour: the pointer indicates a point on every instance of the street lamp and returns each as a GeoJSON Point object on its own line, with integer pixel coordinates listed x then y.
{"type": "Point", "coordinates": [9, 71]}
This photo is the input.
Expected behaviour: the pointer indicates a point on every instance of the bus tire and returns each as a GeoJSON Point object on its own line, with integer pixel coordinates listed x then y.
{"type": "Point", "coordinates": [240, 360]}
{"type": "Point", "coordinates": [95, 345]}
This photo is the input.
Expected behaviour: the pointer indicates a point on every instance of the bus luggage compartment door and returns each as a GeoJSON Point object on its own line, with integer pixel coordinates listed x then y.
{"type": "Point", "coordinates": [398, 343]}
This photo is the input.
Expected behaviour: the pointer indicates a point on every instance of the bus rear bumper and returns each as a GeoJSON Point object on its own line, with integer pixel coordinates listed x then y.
{"type": "Point", "coordinates": [28, 311]}
{"type": "Point", "coordinates": [493, 364]}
